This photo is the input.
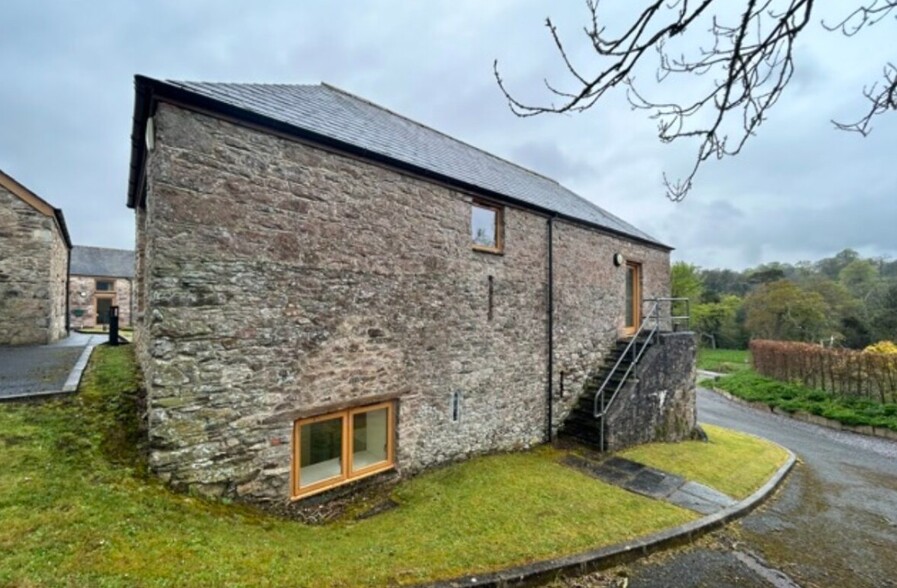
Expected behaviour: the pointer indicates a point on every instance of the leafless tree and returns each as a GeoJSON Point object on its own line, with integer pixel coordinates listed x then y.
{"type": "Point", "coordinates": [746, 66]}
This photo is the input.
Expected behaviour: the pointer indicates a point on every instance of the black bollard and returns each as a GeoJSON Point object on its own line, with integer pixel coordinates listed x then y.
{"type": "Point", "coordinates": [113, 325]}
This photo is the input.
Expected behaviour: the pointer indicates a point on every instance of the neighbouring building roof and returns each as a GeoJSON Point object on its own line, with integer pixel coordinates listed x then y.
{"type": "Point", "coordinates": [38, 203]}
{"type": "Point", "coordinates": [338, 119]}
{"type": "Point", "coordinates": [102, 262]}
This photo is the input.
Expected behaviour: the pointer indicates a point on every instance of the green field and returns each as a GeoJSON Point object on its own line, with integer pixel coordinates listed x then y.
{"type": "Point", "coordinates": [724, 361]}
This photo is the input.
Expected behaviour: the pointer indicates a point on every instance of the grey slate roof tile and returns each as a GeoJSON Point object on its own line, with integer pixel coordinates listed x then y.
{"type": "Point", "coordinates": [338, 115]}
{"type": "Point", "coordinates": [102, 262]}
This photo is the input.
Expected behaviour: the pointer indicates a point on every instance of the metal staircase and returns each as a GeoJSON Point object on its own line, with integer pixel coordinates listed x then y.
{"type": "Point", "coordinates": [587, 421]}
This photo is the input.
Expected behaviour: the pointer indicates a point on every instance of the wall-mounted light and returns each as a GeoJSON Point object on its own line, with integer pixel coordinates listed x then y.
{"type": "Point", "coordinates": [82, 294]}
{"type": "Point", "coordinates": [619, 259]}
{"type": "Point", "coordinates": [150, 135]}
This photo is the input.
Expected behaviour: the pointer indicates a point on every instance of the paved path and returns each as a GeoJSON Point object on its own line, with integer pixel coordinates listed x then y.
{"type": "Point", "coordinates": [834, 523]}
{"type": "Point", "coordinates": [44, 369]}
{"type": "Point", "coordinates": [654, 483]}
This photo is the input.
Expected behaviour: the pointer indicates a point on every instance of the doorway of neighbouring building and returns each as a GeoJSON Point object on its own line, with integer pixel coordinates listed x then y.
{"type": "Point", "coordinates": [104, 303]}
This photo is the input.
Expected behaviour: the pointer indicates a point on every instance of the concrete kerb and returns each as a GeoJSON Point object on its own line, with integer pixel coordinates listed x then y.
{"type": "Point", "coordinates": [583, 563]}
{"type": "Point", "coordinates": [71, 383]}
{"type": "Point", "coordinates": [804, 417]}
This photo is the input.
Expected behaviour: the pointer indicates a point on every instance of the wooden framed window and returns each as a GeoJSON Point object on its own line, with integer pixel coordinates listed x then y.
{"type": "Point", "coordinates": [105, 285]}
{"type": "Point", "coordinates": [336, 448]}
{"type": "Point", "coordinates": [486, 227]}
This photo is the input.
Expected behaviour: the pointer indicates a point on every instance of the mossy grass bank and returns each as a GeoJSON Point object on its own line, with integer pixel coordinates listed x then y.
{"type": "Point", "coordinates": [78, 508]}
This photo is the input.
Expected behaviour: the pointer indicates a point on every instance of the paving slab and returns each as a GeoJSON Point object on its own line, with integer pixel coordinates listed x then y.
{"type": "Point", "coordinates": [692, 502]}
{"type": "Point", "coordinates": [707, 493]}
{"type": "Point", "coordinates": [626, 465]}
{"type": "Point", "coordinates": [654, 483]}
{"type": "Point", "coordinates": [39, 370]}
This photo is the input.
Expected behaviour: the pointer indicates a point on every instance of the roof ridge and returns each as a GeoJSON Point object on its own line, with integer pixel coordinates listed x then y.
{"type": "Point", "coordinates": [268, 84]}
{"type": "Point", "coordinates": [104, 248]}
{"type": "Point", "coordinates": [435, 130]}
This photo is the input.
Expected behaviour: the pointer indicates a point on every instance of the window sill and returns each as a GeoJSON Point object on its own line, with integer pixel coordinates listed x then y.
{"type": "Point", "coordinates": [491, 250]}
{"type": "Point", "coordinates": [338, 483]}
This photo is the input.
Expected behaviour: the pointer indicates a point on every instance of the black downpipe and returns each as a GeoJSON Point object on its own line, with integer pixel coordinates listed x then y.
{"type": "Point", "coordinates": [68, 287]}
{"type": "Point", "coordinates": [550, 324]}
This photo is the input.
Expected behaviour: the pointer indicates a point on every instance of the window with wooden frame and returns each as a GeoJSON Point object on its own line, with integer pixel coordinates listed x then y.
{"type": "Point", "coordinates": [105, 285]}
{"type": "Point", "coordinates": [339, 447]}
{"type": "Point", "coordinates": [486, 227]}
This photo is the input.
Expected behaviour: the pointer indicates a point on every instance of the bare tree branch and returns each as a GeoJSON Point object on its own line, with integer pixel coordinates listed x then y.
{"type": "Point", "coordinates": [743, 71]}
{"type": "Point", "coordinates": [882, 95]}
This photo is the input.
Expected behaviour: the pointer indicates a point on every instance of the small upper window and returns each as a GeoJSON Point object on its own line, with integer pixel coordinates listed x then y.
{"type": "Point", "coordinates": [105, 286]}
{"type": "Point", "coordinates": [485, 227]}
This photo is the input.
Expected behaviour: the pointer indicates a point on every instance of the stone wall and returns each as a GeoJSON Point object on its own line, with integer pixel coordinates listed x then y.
{"type": "Point", "coordinates": [33, 268]}
{"type": "Point", "coordinates": [589, 297]}
{"type": "Point", "coordinates": [277, 277]}
{"type": "Point", "coordinates": [661, 406]}
{"type": "Point", "coordinates": [83, 295]}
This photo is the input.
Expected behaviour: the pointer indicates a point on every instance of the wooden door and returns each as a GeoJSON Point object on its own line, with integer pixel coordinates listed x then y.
{"type": "Point", "coordinates": [633, 298]}
{"type": "Point", "coordinates": [104, 303]}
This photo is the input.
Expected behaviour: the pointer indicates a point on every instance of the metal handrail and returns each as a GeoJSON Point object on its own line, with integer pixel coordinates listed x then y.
{"type": "Point", "coordinates": [637, 353]}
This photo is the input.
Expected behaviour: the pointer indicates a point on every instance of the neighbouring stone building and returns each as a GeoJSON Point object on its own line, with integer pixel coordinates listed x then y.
{"type": "Point", "coordinates": [326, 290]}
{"type": "Point", "coordinates": [34, 261]}
{"type": "Point", "coordinates": [100, 278]}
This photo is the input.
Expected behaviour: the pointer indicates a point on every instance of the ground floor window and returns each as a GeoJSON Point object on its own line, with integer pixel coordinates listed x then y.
{"type": "Point", "coordinates": [331, 449]}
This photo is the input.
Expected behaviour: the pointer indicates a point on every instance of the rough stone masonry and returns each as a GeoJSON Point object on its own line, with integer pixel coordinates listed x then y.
{"type": "Point", "coordinates": [33, 270]}
{"type": "Point", "coordinates": [274, 277]}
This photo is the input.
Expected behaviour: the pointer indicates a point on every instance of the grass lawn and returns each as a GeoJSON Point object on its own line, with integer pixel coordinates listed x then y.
{"type": "Point", "coordinates": [752, 387]}
{"type": "Point", "coordinates": [724, 361]}
{"type": "Point", "coordinates": [77, 508]}
{"type": "Point", "coordinates": [752, 461]}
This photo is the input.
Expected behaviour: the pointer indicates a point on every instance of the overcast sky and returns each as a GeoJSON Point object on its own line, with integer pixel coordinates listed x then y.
{"type": "Point", "coordinates": [800, 190]}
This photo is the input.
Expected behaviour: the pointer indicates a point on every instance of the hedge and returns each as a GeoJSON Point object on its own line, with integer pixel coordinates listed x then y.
{"type": "Point", "coordinates": [844, 372]}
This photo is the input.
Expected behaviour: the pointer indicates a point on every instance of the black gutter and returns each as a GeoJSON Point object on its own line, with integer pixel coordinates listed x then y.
{"type": "Point", "coordinates": [60, 220]}
{"type": "Point", "coordinates": [63, 228]}
{"type": "Point", "coordinates": [68, 291]}
{"type": "Point", "coordinates": [550, 326]}
{"type": "Point", "coordinates": [150, 91]}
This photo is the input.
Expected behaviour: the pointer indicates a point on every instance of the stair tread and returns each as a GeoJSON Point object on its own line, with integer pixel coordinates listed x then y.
{"type": "Point", "coordinates": [581, 423]}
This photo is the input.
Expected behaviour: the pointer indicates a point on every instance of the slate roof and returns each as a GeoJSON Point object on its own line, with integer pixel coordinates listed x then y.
{"type": "Point", "coordinates": [335, 114]}
{"type": "Point", "coordinates": [102, 262]}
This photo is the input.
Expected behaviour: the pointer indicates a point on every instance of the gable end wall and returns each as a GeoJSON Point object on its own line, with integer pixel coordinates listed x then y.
{"type": "Point", "coordinates": [33, 266]}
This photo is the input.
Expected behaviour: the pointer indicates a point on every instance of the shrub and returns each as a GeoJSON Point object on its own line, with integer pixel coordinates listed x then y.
{"type": "Point", "coordinates": [882, 347]}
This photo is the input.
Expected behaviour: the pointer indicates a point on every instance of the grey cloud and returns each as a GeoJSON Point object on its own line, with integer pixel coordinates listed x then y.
{"type": "Point", "coordinates": [799, 189]}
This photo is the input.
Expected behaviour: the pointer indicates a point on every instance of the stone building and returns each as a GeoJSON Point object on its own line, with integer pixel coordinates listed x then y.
{"type": "Point", "coordinates": [34, 261]}
{"type": "Point", "coordinates": [326, 290]}
{"type": "Point", "coordinates": [100, 278]}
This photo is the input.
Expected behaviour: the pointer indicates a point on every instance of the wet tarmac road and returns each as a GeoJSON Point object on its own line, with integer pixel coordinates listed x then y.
{"type": "Point", "coordinates": [37, 370]}
{"type": "Point", "coordinates": [833, 523]}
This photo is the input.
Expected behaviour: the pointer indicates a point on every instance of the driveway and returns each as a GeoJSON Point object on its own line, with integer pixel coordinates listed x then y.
{"type": "Point", "coordinates": [833, 523]}
{"type": "Point", "coordinates": [44, 369]}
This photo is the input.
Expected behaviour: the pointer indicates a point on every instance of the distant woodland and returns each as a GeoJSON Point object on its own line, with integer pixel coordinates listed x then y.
{"type": "Point", "coordinates": [843, 301]}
